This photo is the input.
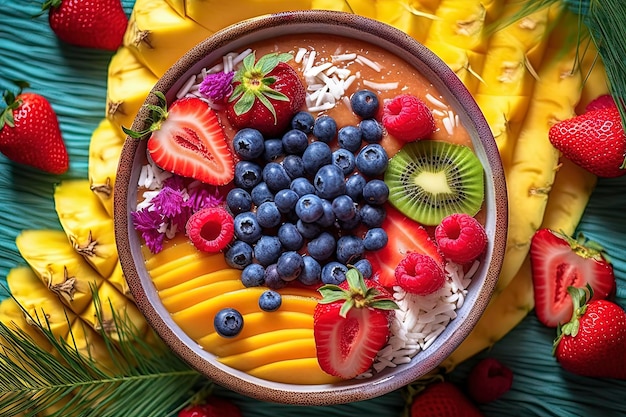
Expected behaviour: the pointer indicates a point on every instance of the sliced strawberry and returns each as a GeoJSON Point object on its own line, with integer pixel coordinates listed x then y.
{"type": "Point", "coordinates": [559, 261]}
{"type": "Point", "coordinates": [350, 325]}
{"type": "Point", "coordinates": [188, 140]}
{"type": "Point", "coordinates": [405, 235]}
{"type": "Point", "coordinates": [191, 143]}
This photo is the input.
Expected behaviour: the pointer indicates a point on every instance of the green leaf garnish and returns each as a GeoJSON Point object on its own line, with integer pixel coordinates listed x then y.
{"type": "Point", "coordinates": [358, 295]}
{"type": "Point", "coordinates": [254, 84]}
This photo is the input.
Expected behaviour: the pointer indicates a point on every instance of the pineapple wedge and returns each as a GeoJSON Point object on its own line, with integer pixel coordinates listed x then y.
{"type": "Point", "coordinates": [105, 148]}
{"type": "Point", "coordinates": [88, 226]}
{"type": "Point", "coordinates": [158, 35]}
{"type": "Point", "coordinates": [129, 83]}
{"type": "Point", "coordinates": [63, 270]}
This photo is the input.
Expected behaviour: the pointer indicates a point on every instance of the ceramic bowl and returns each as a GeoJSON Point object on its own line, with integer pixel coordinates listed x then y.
{"type": "Point", "coordinates": [435, 71]}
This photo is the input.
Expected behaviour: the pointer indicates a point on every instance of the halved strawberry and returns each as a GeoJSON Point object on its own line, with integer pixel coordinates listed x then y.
{"type": "Point", "coordinates": [188, 140]}
{"type": "Point", "coordinates": [559, 261]}
{"type": "Point", "coordinates": [351, 324]}
{"type": "Point", "coordinates": [404, 236]}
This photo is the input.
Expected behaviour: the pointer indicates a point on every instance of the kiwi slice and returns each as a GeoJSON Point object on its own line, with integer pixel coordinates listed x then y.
{"type": "Point", "coordinates": [429, 180]}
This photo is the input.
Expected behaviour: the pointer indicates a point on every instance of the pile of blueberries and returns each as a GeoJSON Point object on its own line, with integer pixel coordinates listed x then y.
{"type": "Point", "coordinates": [304, 211]}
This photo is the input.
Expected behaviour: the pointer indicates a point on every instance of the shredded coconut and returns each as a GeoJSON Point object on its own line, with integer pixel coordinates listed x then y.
{"type": "Point", "coordinates": [421, 319]}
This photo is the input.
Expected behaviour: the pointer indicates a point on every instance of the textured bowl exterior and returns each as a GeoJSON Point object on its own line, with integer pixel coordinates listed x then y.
{"type": "Point", "coordinates": [444, 79]}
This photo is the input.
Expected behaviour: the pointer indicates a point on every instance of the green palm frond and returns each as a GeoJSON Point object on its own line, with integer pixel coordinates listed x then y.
{"type": "Point", "coordinates": [146, 381]}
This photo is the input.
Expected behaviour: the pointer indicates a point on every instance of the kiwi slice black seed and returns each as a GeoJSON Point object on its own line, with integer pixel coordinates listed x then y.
{"type": "Point", "coordinates": [429, 180]}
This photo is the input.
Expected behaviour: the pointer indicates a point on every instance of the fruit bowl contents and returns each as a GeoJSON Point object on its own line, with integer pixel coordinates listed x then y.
{"type": "Point", "coordinates": [311, 208]}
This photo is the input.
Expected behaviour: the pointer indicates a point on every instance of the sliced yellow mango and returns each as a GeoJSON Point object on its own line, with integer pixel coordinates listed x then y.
{"type": "Point", "coordinates": [290, 349]}
{"type": "Point", "coordinates": [257, 341]}
{"type": "Point", "coordinates": [294, 371]}
{"type": "Point", "coordinates": [222, 276]}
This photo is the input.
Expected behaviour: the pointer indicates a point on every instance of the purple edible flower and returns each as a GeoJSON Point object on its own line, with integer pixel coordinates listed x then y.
{"type": "Point", "coordinates": [148, 222]}
{"type": "Point", "coordinates": [217, 86]}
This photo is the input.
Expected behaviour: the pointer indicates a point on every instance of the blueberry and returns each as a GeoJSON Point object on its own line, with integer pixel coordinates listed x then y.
{"type": "Point", "coordinates": [365, 267]}
{"type": "Point", "coordinates": [344, 208]}
{"type": "Point", "coordinates": [247, 174]}
{"type": "Point", "coordinates": [372, 160]}
{"type": "Point", "coordinates": [308, 230]}
{"type": "Point", "coordinates": [364, 104]}
{"type": "Point", "coordinates": [228, 322]}
{"type": "Point", "coordinates": [328, 218]}
{"type": "Point", "coordinates": [352, 223]}
{"type": "Point", "coordinates": [273, 149]}
{"type": "Point", "coordinates": [248, 143]}
{"type": "Point", "coordinates": [268, 215]}
{"type": "Point", "coordinates": [349, 137]}
{"type": "Point", "coordinates": [270, 300]}
{"type": "Point", "coordinates": [275, 176]}
{"type": "Point", "coordinates": [371, 130]}
{"type": "Point", "coordinates": [316, 155]}
{"type": "Point", "coordinates": [261, 193]}
{"type": "Point", "coordinates": [372, 216]}
{"type": "Point", "coordinates": [334, 273]}
{"type": "Point", "coordinates": [253, 275]}
{"type": "Point", "coordinates": [375, 239]}
{"type": "Point", "coordinates": [309, 208]}
{"type": "Point", "coordinates": [303, 121]}
{"type": "Point", "coordinates": [344, 159]}
{"type": "Point", "coordinates": [375, 192]}
{"type": "Point", "coordinates": [302, 186]}
{"type": "Point", "coordinates": [354, 186]}
{"type": "Point", "coordinates": [329, 182]}
{"type": "Point", "coordinates": [238, 200]}
{"type": "Point", "coordinates": [349, 249]}
{"type": "Point", "coordinates": [267, 250]}
{"type": "Point", "coordinates": [295, 141]}
{"type": "Point", "coordinates": [294, 166]}
{"type": "Point", "coordinates": [322, 247]}
{"type": "Point", "coordinates": [247, 227]}
{"type": "Point", "coordinates": [239, 255]}
{"type": "Point", "coordinates": [286, 200]}
{"type": "Point", "coordinates": [272, 279]}
{"type": "Point", "coordinates": [325, 128]}
{"type": "Point", "coordinates": [289, 265]}
{"type": "Point", "coordinates": [290, 237]}
{"type": "Point", "coordinates": [311, 271]}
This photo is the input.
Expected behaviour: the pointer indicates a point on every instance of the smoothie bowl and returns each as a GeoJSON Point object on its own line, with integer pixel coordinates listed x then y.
{"type": "Point", "coordinates": [311, 209]}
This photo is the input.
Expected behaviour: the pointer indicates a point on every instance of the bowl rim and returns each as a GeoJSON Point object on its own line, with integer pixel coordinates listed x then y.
{"type": "Point", "coordinates": [456, 93]}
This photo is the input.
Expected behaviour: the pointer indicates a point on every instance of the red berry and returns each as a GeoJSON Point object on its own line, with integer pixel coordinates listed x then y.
{"type": "Point", "coordinates": [419, 274]}
{"type": "Point", "coordinates": [214, 407]}
{"type": "Point", "coordinates": [408, 118]}
{"type": "Point", "coordinates": [601, 102]}
{"type": "Point", "coordinates": [461, 238]}
{"type": "Point", "coordinates": [488, 380]}
{"type": "Point", "coordinates": [211, 229]}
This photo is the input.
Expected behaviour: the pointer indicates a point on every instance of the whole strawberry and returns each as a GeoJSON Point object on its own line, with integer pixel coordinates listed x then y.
{"type": "Point", "coordinates": [98, 24]}
{"type": "Point", "coordinates": [266, 96]}
{"type": "Point", "coordinates": [351, 324]}
{"type": "Point", "coordinates": [593, 343]}
{"type": "Point", "coordinates": [594, 140]}
{"type": "Point", "coordinates": [443, 399]}
{"type": "Point", "coordinates": [213, 407]}
{"type": "Point", "coordinates": [488, 380]}
{"type": "Point", "coordinates": [30, 134]}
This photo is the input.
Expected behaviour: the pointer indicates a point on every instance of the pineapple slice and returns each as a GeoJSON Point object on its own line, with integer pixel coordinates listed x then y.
{"type": "Point", "coordinates": [105, 148]}
{"type": "Point", "coordinates": [63, 270]}
{"type": "Point", "coordinates": [88, 226]}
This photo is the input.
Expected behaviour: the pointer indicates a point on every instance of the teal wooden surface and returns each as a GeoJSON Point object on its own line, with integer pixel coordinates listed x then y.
{"type": "Point", "coordinates": [74, 81]}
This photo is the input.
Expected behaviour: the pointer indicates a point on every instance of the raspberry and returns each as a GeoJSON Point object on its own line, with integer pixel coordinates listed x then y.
{"type": "Point", "coordinates": [489, 380]}
{"type": "Point", "coordinates": [210, 229]}
{"type": "Point", "coordinates": [419, 274]}
{"type": "Point", "coordinates": [461, 238]}
{"type": "Point", "coordinates": [408, 118]}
